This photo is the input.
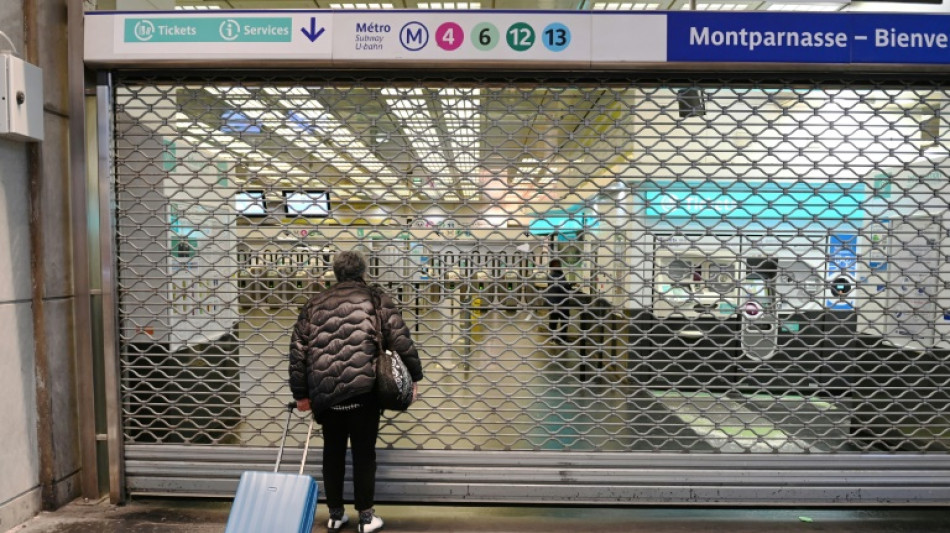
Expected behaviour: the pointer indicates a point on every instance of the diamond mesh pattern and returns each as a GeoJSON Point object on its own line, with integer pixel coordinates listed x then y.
{"type": "Point", "coordinates": [750, 267]}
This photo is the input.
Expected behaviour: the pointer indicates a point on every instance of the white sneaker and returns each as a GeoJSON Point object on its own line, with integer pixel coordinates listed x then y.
{"type": "Point", "coordinates": [369, 522]}
{"type": "Point", "coordinates": [336, 524]}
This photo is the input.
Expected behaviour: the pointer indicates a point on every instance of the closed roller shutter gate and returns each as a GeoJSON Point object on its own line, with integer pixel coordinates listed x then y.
{"type": "Point", "coordinates": [757, 301]}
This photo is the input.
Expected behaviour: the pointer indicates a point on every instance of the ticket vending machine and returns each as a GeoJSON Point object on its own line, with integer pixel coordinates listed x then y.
{"type": "Point", "coordinates": [903, 396]}
{"type": "Point", "coordinates": [696, 294]}
{"type": "Point", "coordinates": [909, 238]}
{"type": "Point", "coordinates": [914, 285]}
{"type": "Point", "coordinates": [762, 314]}
{"type": "Point", "coordinates": [785, 343]}
{"type": "Point", "coordinates": [760, 274]}
{"type": "Point", "coordinates": [904, 384]}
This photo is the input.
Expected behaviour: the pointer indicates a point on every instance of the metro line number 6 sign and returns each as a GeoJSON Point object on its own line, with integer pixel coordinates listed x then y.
{"type": "Point", "coordinates": [485, 36]}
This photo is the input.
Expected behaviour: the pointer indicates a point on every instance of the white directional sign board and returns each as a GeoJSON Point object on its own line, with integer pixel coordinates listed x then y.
{"type": "Point", "coordinates": [532, 39]}
{"type": "Point", "coordinates": [619, 40]}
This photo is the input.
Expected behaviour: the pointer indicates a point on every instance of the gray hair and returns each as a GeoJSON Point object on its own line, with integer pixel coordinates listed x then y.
{"type": "Point", "coordinates": [349, 266]}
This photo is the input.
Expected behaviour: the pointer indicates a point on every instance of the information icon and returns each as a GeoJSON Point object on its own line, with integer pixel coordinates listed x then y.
{"type": "Point", "coordinates": [230, 30]}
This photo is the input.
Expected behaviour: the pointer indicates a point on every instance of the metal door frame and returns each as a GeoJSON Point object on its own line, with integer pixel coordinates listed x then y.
{"type": "Point", "coordinates": [555, 477]}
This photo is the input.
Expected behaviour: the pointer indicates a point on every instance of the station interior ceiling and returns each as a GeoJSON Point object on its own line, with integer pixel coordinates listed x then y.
{"type": "Point", "coordinates": [448, 141]}
{"type": "Point", "coordinates": [411, 142]}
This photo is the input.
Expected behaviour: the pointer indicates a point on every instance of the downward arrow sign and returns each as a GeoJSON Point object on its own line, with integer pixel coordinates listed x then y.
{"type": "Point", "coordinates": [313, 33]}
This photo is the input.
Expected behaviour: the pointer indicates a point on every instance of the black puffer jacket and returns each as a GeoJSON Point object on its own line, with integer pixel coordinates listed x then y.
{"type": "Point", "coordinates": [332, 348]}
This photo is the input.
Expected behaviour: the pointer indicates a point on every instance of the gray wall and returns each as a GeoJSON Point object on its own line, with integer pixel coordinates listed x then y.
{"type": "Point", "coordinates": [33, 458]}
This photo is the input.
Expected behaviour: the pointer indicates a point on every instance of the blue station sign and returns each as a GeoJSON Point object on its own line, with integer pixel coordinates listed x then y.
{"type": "Point", "coordinates": [808, 38]}
{"type": "Point", "coordinates": [758, 37]}
{"type": "Point", "coordinates": [900, 39]}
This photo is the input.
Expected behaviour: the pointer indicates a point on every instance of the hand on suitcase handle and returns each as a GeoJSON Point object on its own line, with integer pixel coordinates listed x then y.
{"type": "Point", "coordinates": [300, 405]}
{"type": "Point", "coordinates": [283, 439]}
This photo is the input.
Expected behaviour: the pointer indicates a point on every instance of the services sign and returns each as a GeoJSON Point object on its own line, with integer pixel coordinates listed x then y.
{"type": "Point", "coordinates": [244, 35]}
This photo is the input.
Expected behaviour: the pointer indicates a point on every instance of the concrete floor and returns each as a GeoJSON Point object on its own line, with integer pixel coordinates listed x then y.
{"type": "Point", "coordinates": [204, 516]}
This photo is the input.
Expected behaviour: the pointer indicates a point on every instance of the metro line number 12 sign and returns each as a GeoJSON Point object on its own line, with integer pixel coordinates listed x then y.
{"type": "Point", "coordinates": [520, 37]}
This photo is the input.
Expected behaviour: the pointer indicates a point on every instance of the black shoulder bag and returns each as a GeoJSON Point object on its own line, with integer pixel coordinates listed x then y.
{"type": "Point", "coordinates": [393, 382]}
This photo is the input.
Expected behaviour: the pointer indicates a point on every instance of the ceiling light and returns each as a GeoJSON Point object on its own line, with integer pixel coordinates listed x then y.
{"type": "Point", "coordinates": [450, 5]}
{"type": "Point", "coordinates": [361, 5]}
{"type": "Point", "coordinates": [800, 7]}
{"type": "Point", "coordinates": [410, 106]}
{"type": "Point", "coordinates": [625, 6]}
{"type": "Point", "coordinates": [462, 127]}
{"type": "Point", "coordinates": [297, 127]}
{"type": "Point", "coordinates": [316, 118]}
{"type": "Point", "coordinates": [720, 6]}
{"type": "Point", "coordinates": [806, 5]}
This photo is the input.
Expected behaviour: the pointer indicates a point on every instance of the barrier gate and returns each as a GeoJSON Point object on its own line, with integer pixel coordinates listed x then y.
{"type": "Point", "coordinates": [758, 279]}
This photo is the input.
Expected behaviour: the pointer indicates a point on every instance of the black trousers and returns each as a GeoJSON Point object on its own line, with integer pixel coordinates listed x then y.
{"type": "Point", "coordinates": [360, 426]}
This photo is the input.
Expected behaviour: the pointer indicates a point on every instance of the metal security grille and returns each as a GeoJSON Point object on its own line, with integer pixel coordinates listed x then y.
{"type": "Point", "coordinates": [590, 267]}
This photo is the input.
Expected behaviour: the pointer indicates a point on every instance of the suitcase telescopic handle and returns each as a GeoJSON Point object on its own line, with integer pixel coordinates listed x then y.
{"type": "Point", "coordinates": [283, 440]}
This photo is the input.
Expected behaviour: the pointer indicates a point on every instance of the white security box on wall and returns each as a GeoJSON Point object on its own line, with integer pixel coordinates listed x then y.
{"type": "Point", "coordinates": [21, 99]}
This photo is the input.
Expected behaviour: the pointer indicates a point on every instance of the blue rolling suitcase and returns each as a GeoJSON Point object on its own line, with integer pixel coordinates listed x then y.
{"type": "Point", "coordinates": [274, 502]}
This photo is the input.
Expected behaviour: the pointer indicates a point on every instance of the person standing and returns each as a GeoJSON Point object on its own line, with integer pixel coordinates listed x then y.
{"type": "Point", "coordinates": [332, 373]}
{"type": "Point", "coordinates": [557, 292]}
